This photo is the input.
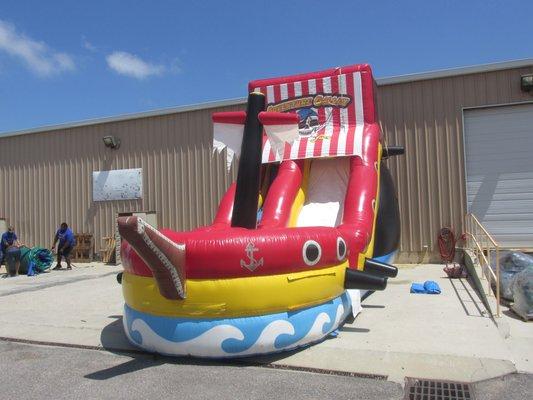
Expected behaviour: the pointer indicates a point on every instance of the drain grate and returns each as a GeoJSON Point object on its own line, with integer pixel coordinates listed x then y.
{"type": "Point", "coordinates": [423, 389]}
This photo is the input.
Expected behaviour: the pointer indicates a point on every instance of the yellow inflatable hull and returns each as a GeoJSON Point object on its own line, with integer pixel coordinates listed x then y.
{"type": "Point", "coordinates": [237, 297]}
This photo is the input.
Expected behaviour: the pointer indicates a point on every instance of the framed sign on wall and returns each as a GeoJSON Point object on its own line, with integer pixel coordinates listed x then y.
{"type": "Point", "coordinates": [118, 184]}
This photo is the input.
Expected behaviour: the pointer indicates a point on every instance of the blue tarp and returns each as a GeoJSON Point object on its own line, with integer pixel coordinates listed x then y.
{"type": "Point", "coordinates": [428, 287]}
{"type": "Point", "coordinates": [40, 257]}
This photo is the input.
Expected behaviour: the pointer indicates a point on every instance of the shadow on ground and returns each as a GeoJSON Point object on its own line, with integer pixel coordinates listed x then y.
{"type": "Point", "coordinates": [137, 363]}
{"type": "Point", "coordinates": [511, 314]}
{"type": "Point", "coordinates": [114, 340]}
{"type": "Point", "coordinates": [467, 295]}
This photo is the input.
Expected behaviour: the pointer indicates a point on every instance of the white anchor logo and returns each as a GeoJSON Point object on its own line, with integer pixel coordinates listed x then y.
{"type": "Point", "coordinates": [250, 250]}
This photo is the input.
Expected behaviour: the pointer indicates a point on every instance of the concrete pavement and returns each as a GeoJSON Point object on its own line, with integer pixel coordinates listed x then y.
{"type": "Point", "coordinates": [39, 372]}
{"type": "Point", "coordinates": [398, 334]}
{"type": "Point", "coordinates": [78, 307]}
{"type": "Point", "coordinates": [513, 386]}
{"type": "Point", "coordinates": [446, 336]}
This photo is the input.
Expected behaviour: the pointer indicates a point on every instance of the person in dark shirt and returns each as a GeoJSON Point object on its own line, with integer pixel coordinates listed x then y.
{"type": "Point", "coordinates": [9, 238]}
{"type": "Point", "coordinates": [66, 240]}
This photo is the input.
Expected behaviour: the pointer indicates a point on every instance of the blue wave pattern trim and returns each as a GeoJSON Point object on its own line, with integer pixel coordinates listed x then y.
{"type": "Point", "coordinates": [235, 337]}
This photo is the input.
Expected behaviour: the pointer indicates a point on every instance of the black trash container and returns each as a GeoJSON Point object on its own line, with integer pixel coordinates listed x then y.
{"type": "Point", "coordinates": [12, 257]}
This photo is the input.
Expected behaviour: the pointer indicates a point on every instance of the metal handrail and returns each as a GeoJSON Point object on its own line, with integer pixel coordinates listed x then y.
{"type": "Point", "coordinates": [489, 236]}
{"type": "Point", "coordinates": [480, 249]}
{"type": "Point", "coordinates": [485, 243]}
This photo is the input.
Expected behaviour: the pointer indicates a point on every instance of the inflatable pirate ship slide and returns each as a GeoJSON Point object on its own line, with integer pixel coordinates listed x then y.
{"type": "Point", "coordinates": [313, 213]}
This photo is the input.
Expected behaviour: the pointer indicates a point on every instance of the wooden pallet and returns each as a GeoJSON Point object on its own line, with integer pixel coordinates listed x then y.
{"type": "Point", "coordinates": [107, 252]}
{"type": "Point", "coordinates": [84, 249]}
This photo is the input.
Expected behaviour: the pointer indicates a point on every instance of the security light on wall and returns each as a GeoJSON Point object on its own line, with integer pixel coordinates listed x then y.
{"type": "Point", "coordinates": [526, 83]}
{"type": "Point", "coordinates": [112, 142]}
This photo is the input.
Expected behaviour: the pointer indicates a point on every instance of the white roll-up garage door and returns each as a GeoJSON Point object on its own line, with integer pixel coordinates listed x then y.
{"type": "Point", "coordinates": [499, 171]}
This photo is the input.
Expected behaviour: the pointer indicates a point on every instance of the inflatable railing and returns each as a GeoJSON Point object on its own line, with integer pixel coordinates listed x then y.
{"type": "Point", "coordinates": [313, 213]}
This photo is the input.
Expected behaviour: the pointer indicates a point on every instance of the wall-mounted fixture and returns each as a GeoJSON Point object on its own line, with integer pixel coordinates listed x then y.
{"type": "Point", "coordinates": [112, 142]}
{"type": "Point", "coordinates": [526, 83]}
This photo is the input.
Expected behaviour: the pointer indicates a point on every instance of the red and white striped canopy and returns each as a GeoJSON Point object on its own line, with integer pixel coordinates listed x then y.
{"type": "Point", "coordinates": [333, 107]}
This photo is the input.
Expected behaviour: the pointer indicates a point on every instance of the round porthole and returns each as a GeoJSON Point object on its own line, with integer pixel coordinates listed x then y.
{"type": "Point", "coordinates": [341, 249]}
{"type": "Point", "coordinates": [311, 252]}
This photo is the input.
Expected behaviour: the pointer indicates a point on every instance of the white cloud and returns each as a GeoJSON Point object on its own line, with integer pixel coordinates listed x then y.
{"type": "Point", "coordinates": [37, 56]}
{"type": "Point", "coordinates": [88, 45]}
{"type": "Point", "coordinates": [131, 65]}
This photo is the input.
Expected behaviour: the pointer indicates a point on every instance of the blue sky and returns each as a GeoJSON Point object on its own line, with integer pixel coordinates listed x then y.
{"type": "Point", "coordinates": [64, 61]}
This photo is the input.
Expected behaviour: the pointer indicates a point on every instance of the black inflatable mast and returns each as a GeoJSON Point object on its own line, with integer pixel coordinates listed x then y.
{"type": "Point", "coordinates": [249, 174]}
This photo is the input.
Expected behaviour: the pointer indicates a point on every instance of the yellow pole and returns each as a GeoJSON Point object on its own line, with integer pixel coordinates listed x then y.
{"type": "Point", "coordinates": [498, 281]}
{"type": "Point", "coordinates": [489, 275]}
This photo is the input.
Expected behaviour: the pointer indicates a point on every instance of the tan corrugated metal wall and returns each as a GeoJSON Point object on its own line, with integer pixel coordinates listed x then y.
{"type": "Point", "coordinates": [426, 117]}
{"type": "Point", "coordinates": [45, 178]}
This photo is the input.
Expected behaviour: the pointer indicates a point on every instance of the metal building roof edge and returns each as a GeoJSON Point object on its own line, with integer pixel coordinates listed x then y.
{"type": "Point", "coordinates": [448, 72]}
{"type": "Point", "coordinates": [126, 117]}
{"type": "Point", "coordinates": [443, 73]}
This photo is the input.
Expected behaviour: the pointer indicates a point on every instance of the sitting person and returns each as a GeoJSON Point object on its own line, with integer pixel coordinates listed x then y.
{"type": "Point", "coordinates": [66, 240]}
